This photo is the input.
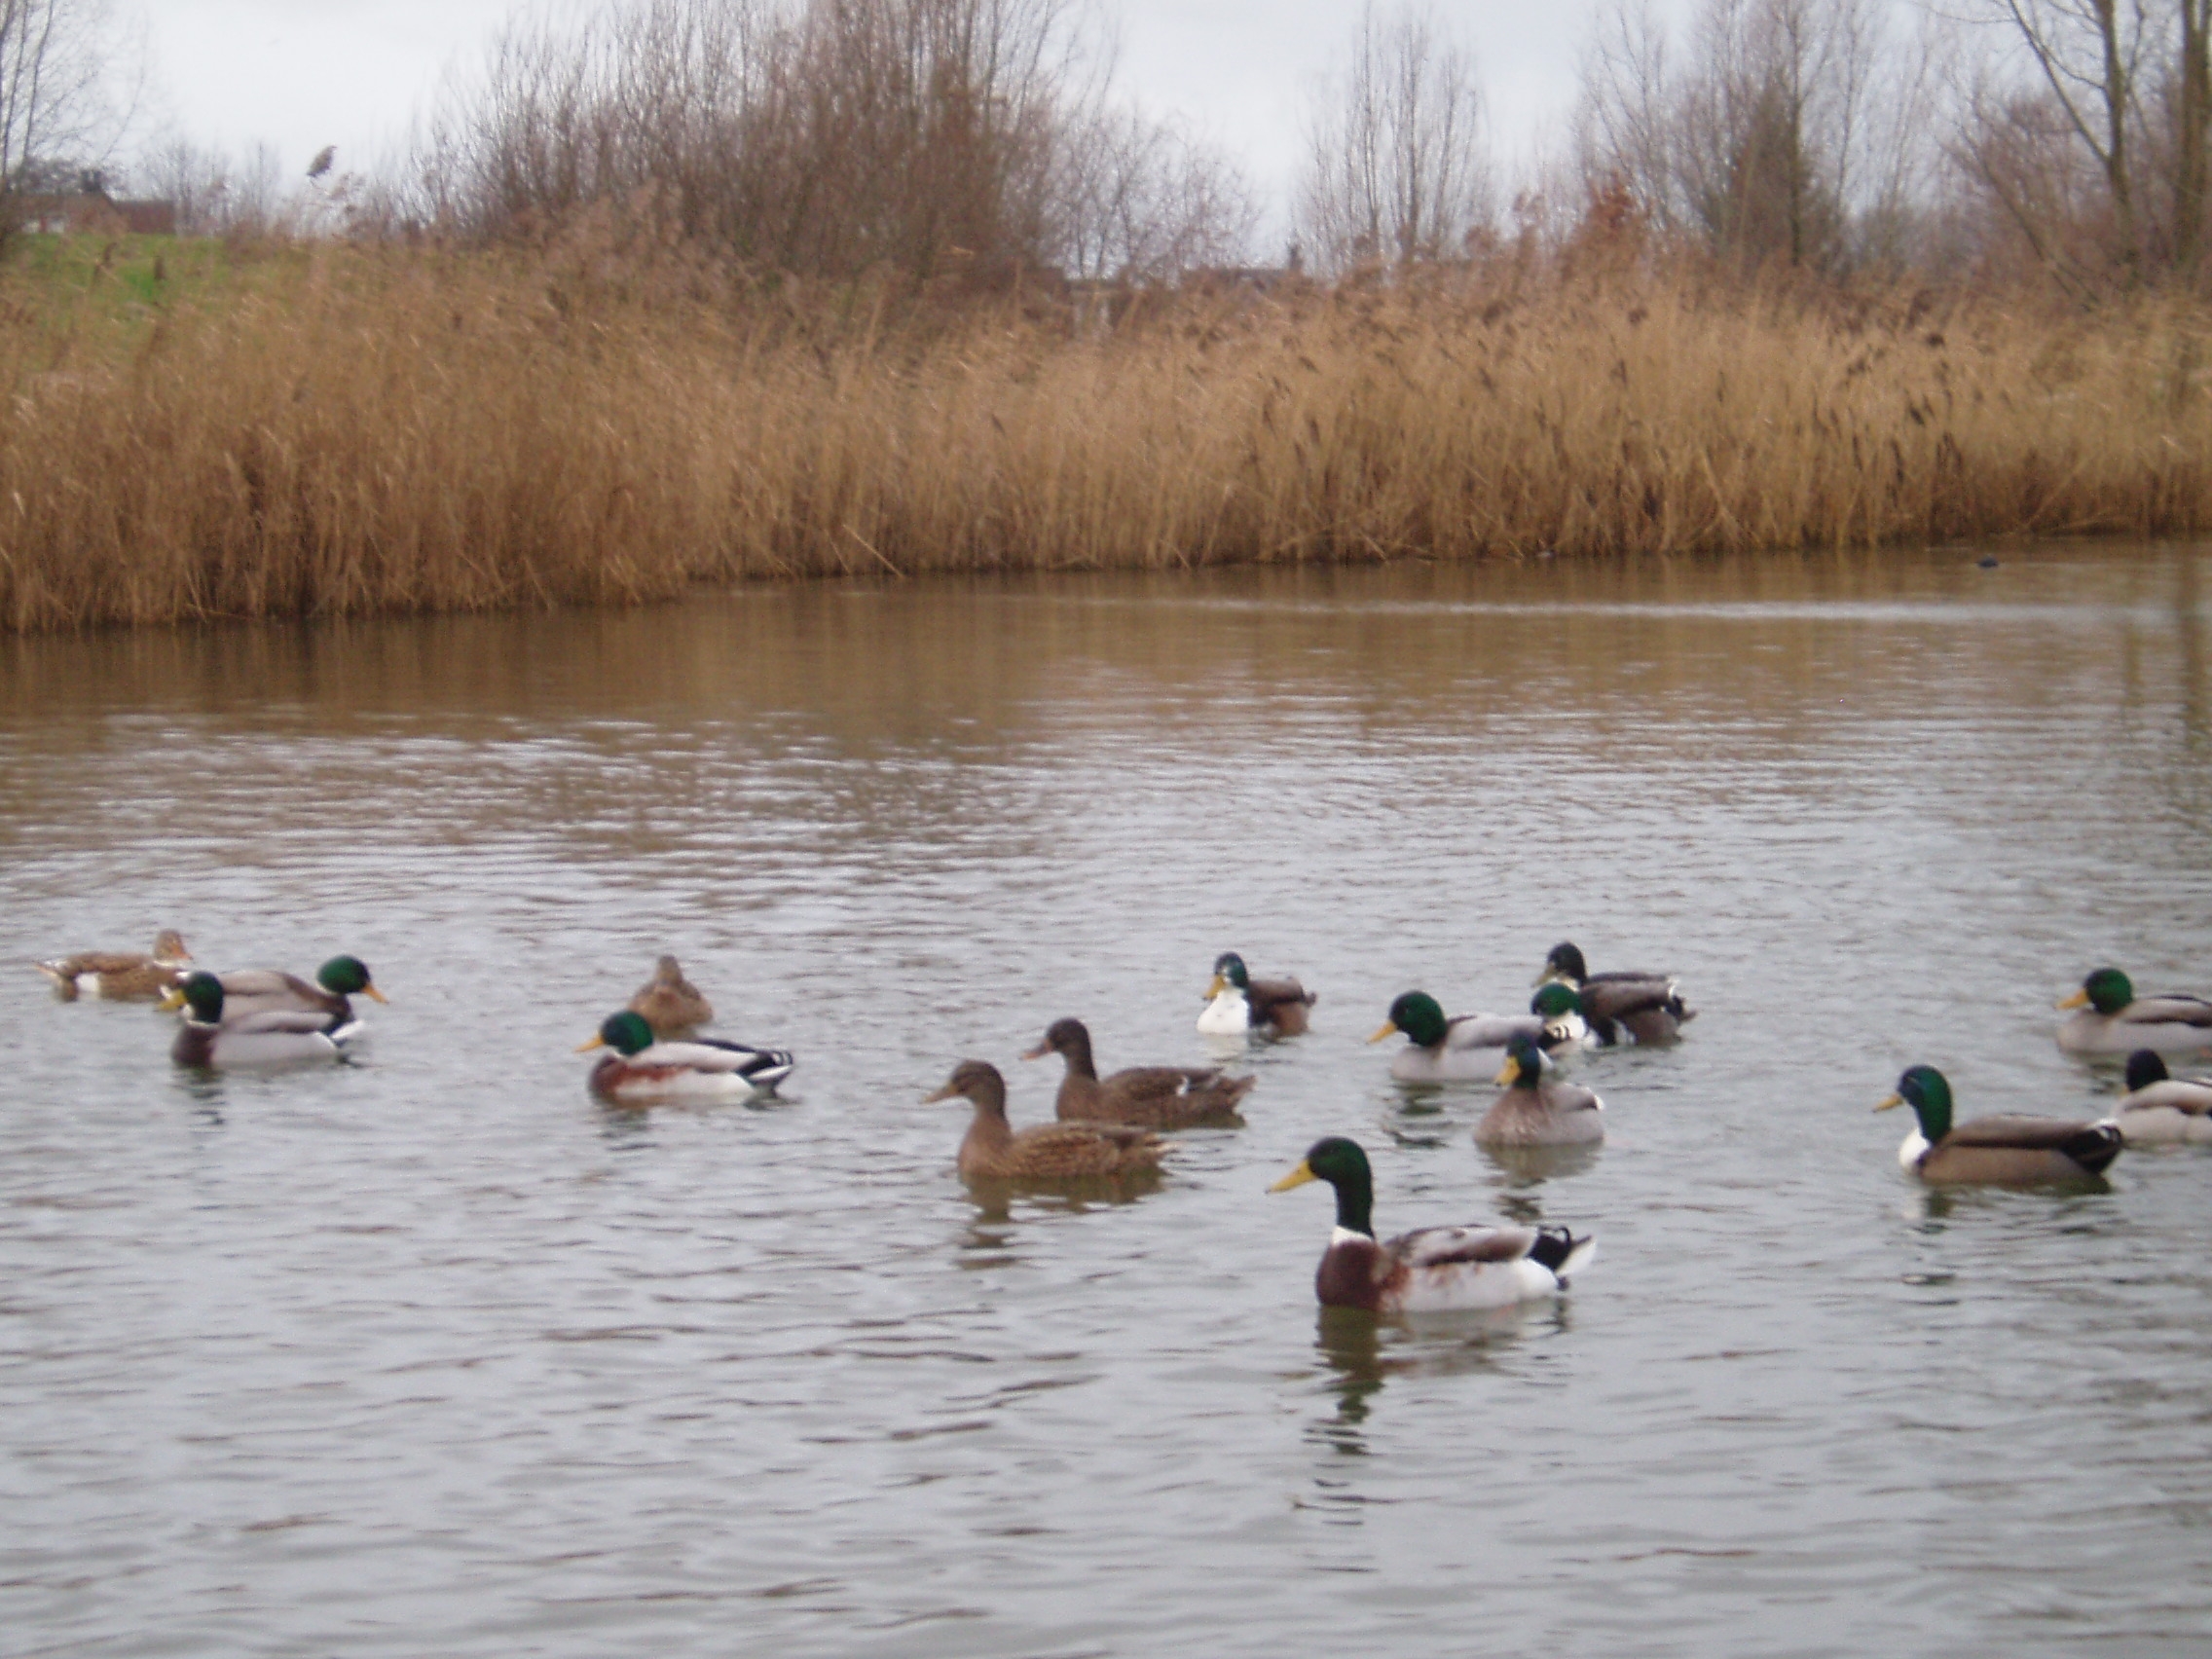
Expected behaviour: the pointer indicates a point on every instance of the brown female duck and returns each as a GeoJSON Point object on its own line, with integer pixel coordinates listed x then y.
{"type": "Point", "coordinates": [1163, 1097]}
{"type": "Point", "coordinates": [671, 1004]}
{"type": "Point", "coordinates": [994, 1150]}
{"type": "Point", "coordinates": [119, 975]}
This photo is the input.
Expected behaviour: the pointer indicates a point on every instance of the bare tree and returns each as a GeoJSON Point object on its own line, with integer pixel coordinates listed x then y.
{"type": "Point", "coordinates": [1790, 130]}
{"type": "Point", "coordinates": [56, 109]}
{"type": "Point", "coordinates": [1395, 162]}
{"type": "Point", "coordinates": [1141, 200]}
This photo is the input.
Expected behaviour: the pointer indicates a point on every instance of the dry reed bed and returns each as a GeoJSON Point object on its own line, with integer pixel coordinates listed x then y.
{"type": "Point", "coordinates": [398, 432]}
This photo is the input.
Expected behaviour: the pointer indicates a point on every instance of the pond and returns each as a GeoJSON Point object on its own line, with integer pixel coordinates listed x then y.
{"type": "Point", "coordinates": [432, 1352]}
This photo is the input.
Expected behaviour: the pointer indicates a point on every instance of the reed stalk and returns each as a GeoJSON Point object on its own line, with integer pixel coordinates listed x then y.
{"type": "Point", "coordinates": [386, 431]}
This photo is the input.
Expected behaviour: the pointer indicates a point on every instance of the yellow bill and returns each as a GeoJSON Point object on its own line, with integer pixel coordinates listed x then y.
{"type": "Point", "coordinates": [595, 1042]}
{"type": "Point", "coordinates": [1893, 1100]}
{"type": "Point", "coordinates": [1389, 1029]}
{"type": "Point", "coordinates": [1296, 1178]}
{"type": "Point", "coordinates": [2080, 999]}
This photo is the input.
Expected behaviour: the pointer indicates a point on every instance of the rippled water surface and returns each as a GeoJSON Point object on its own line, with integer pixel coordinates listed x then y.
{"type": "Point", "coordinates": [432, 1354]}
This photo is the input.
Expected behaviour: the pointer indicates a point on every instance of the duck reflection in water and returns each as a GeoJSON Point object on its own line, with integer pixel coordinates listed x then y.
{"type": "Point", "coordinates": [1521, 1168]}
{"type": "Point", "coordinates": [989, 1237]}
{"type": "Point", "coordinates": [1363, 1352]}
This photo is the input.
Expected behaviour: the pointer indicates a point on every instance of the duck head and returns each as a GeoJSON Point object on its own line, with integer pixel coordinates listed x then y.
{"type": "Point", "coordinates": [626, 1033]}
{"type": "Point", "coordinates": [1419, 1017]}
{"type": "Point", "coordinates": [1343, 1166]}
{"type": "Point", "coordinates": [2107, 990]}
{"type": "Point", "coordinates": [1929, 1093]}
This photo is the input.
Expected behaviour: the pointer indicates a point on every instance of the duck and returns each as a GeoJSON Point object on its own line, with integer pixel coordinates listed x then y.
{"type": "Point", "coordinates": [1467, 1048]}
{"type": "Point", "coordinates": [2160, 1108]}
{"type": "Point", "coordinates": [1159, 1097]}
{"type": "Point", "coordinates": [644, 1069]}
{"type": "Point", "coordinates": [2113, 1021]}
{"type": "Point", "coordinates": [213, 1036]}
{"type": "Point", "coordinates": [1237, 1004]}
{"type": "Point", "coordinates": [1537, 1109]}
{"type": "Point", "coordinates": [119, 975]}
{"type": "Point", "coordinates": [270, 990]}
{"type": "Point", "coordinates": [1432, 1269]}
{"type": "Point", "coordinates": [993, 1150]}
{"type": "Point", "coordinates": [1622, 1007]}
{"type": "Point", "coordinates": [1997, 1150]}
{"type": "Point", "coordinates": [670, 1002]}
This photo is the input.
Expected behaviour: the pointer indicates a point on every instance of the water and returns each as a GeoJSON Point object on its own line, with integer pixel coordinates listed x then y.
{"type": "Point", "coordinates": [432, 1354]}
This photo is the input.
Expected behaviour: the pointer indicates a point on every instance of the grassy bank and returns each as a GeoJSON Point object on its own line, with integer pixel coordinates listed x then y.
{"type": "Point", "coordinates": [347, 432]}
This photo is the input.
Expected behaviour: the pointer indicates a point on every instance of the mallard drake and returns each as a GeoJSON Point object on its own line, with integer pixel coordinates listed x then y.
{"type": "Point", "coordinates": [1467, 1048]}
{"type": "Point", "coordinates": [1434, 1268]}
{"type": "Point", "coordinates": [2113, 1021]}
{"type": "Point", "coordinates": [1237, 1004]}
{"type": "Point", "coordinates": [1621, 1006]}
{"type": "Point", "coordinates": [270, 990]}
{"type": "Point", "coordinates": [119, 975]}
{"type": "Point", "coordinates": [2004, 1150]}
{"type": "Point", "coordinates": [992, 1150]}
{"type": "Point", "coordinates": [1162, 1097]}
{"type": "Point", "coordinates": [2161, 1108]}
{"type": "Point", "coordinates": [642, 1069]}
{"type": "Point", "coordinates": [1536, 1109]}
{"type": "Point", "coordinates": [212, 1035]}
{"type": "Point", "coordinates": [670, 1002]}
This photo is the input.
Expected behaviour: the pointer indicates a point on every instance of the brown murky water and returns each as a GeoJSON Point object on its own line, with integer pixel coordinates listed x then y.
{"type": "Point", "coordinates": [430, 1353]}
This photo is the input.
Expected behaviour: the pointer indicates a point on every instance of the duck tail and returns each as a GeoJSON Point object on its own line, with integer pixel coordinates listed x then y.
{"type": "Point", "coordinates": [2095, 1147]}
{"type": "Point", "coordinates": [1561, 1251]}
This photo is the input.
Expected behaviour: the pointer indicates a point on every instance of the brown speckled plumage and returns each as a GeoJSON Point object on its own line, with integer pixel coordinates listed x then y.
{"type": "Point", "coordinates": [124, 976]}
{"type": "Point", "coordinates": [670, 1002]}
{"type": "Point", "coordinates": [1160, 1097]}
{"type": "Point", "coordinates": [994, 1150]}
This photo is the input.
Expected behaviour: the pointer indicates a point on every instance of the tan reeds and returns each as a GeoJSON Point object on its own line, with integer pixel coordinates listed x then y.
{"type": "Point", "coordinates": [391, 431]}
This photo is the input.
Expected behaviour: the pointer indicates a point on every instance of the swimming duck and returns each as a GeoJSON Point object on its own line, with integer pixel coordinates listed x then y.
{"type": "Point", "coordinates": [1237, 1004]}
{"type": "Point", "coordinates": [1622, 1007]}
{"type": "Point", "coordinates": [1163, 1097]}
{"type": "Point", "coordinates": [643, 1070]}
{"type": "Point", "coordinates": [1467, 1048]}
{"type": "Point", "coordinates": [1432, 1269]}
{"type": "Point", "coordinates": [670, 1002]}
{"type": "Point", "coordinates": [2113, 1021]}
{"type": "Point", "coordinates": [212, 1035]}
{"type": "Point", "coordinates": [119, 975]}
{"type": "Point", "coordinates": [269, 990]}
{"type": "Point", "coordinates": [2003, 1151]}
{"type": "Point", "coordinates": [992, 1150]}
{"type": "Point", "coordinates": [1538, 1110]}
{"type": "Point", "coordinates": [2161, 1108]}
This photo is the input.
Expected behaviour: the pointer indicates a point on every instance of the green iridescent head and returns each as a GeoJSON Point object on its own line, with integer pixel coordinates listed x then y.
{"type": "Point", "coordinates": [1229, 967]}
{"type": "Point", "coordinates": [1524, 1063]}
{"type": "Point", "coordinates": [1343, 1166]}
{"type": "Point", "coordinates": [347, 976]}
{"type": "Point", "coordinates": [2108, 990]}
{"type": "Point", "coordinates": [1419, 1017]}
{"type": "Point", "coordinates": [1555, 1000]}
{"type": "Point", "coordinates": [1929, 1093]}
{"type": "Point", "coordinates": [626, 1033]}
{"type": "Point", "coordinates": [204, 997]}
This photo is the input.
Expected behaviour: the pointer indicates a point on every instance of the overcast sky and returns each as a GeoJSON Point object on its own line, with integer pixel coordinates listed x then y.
{"type": "Point", "coordinates": [300, 74]}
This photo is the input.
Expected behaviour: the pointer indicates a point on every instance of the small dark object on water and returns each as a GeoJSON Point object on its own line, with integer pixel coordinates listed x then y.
{"type": "Point", "coordinates": [1987, 562]}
